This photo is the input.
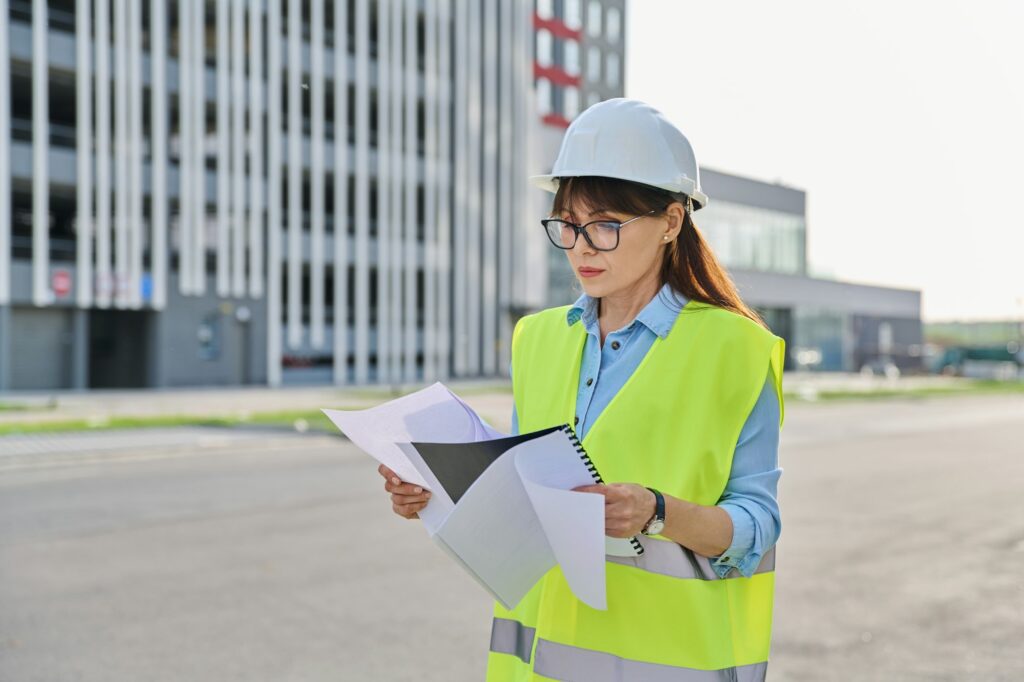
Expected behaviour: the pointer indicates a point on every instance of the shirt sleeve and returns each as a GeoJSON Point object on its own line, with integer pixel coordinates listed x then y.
{"type": "Point", "coordinates": [750, 496]}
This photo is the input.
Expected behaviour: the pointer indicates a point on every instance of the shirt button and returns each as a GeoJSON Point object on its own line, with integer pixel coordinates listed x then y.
{"type": "Point", "coordinates": [590, 381]}
{"type": "Point", "coordinates": [615, 345]}
{"type": "Point", "coordinates": [576, 420]}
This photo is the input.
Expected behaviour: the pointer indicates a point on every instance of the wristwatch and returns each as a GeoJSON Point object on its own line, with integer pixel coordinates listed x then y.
{"type": "Point", "coordinates": [657, 522]}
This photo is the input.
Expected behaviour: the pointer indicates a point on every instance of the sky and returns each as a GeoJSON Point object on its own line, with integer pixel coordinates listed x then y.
{"type": "Point", "coordinates": [903, 122]}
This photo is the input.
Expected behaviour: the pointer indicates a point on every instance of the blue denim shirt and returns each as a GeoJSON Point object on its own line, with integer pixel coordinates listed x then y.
{"type": "Point", "coordinates": [750, 496]}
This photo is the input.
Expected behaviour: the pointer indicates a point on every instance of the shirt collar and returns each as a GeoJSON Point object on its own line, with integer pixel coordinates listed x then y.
{"type": "Point", "coordinates": [658, 315]}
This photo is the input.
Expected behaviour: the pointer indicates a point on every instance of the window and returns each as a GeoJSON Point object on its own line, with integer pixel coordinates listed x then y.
{"type": "Point", "coordinates": [573, 14]}
{"type": "Point", "coordinates": [593, 64]}
{"type": "Point", "coordinates": [543, 96]}
{"type": "Point", "coordinates": [572, 102]}
{"type": "Point", "coordinates": [594, 18]}
{"type": "Point", "coordinates": [544, 47]}
{"type": "Point", "coordinates": [572, 56]}
{"type": "Point", "coordinates": [611, 74]}
{"type": "Point", "coordinates": [613, 24]}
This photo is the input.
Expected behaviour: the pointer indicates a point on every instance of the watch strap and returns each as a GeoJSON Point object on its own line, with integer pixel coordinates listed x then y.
{"type": "Point", "coordinates": [659, 509]}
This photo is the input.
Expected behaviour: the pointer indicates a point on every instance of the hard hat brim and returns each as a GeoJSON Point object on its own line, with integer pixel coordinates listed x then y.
{"type": "Point", "coordinates": [549, 183]}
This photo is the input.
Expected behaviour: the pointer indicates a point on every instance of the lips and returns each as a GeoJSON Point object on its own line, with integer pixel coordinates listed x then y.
{"type": "Point", "coordinates": [590, 271]}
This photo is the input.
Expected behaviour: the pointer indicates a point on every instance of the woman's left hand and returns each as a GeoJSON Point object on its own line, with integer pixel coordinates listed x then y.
{"type": "Point", "coordinates": [627, 507]}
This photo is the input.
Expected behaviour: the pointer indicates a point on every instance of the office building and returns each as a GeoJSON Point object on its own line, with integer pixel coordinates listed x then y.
{"type": "Point", "coordinates": [261, 191]}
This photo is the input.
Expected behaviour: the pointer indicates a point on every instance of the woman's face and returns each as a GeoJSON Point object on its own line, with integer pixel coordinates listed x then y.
{"type": "Point", "coordinates": [637, 258]}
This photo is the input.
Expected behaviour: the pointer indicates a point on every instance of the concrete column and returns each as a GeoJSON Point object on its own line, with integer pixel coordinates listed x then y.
{"type": "Point", "coordinates": [274, 194]}
{"type": "Point", "coordinates": [156, 373]}
{"type": "Point", "coordinates": [80, 349]}
{"type": "Point", "coordinates": [5, 347]}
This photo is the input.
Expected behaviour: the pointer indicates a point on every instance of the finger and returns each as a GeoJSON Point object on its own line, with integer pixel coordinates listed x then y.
{"type": "Point", "coordinates": [599, 489]}
{"type": "Point", "coordinates": [407, 510]}
{"type": "Point", "coordinates": [619, 524]}
{"type": "Point", "coordinates": [403, 488]}
{"type": "Point", "coordinates": [389, 475]}
{"type": "Point", "coordinates": [616, 493]}
{"type": "Point", "coordinates": [618, 507]}
{"type": "Point", "coordinates": [410, 499]}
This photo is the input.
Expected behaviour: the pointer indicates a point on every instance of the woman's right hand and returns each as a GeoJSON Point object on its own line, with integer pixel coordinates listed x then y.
{"type": "Point", "coordinates": [407, 499]}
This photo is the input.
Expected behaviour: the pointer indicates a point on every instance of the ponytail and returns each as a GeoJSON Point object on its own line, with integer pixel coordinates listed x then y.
{"type": "Point", "coordinates": [692, 269]}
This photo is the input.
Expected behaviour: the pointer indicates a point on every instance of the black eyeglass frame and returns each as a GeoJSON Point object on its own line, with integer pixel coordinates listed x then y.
{"type": "Point", "coordinates": [581, 229]}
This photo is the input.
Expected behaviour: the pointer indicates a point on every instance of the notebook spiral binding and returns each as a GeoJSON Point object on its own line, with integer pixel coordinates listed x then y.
{"type": "Point", "coordinates": [593, 472]}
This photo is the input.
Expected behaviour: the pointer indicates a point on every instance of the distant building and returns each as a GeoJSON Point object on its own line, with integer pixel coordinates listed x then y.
{"type": "Point", "coordinates": [757, 229]}
{"type": "Point", "coordinates": [759, 232]}
{"type": "Point", "coordinates": [279, 192]}
{"type": "Point", "coordinates": [579, 61]}
{"type": "Point", "coordinates": [261, 191]}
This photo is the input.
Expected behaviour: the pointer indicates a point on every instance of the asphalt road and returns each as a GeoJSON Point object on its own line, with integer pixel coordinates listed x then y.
{"type": "Point", "coordinates": [259, 557]}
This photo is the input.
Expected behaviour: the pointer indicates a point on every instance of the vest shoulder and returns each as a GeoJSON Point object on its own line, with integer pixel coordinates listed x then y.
{"type": "Point", "coordinates": [730, 321]}
{"type": "Point", "coordinates": [543, 321]}
{"type": "Point", "coordinates": [547, 315]}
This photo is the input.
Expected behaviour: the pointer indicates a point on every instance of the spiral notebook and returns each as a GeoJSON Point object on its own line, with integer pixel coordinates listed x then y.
{"type": "Point", "coordinates": [503, 507]}
{"type": "Point", "coordinates": [456, 466]}
{"type": "Point", "coordinates": [506, 511]}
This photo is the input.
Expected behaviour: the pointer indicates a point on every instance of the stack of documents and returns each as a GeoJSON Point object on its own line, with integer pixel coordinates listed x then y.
{"type": "Point", "coordinates": [501, 506]}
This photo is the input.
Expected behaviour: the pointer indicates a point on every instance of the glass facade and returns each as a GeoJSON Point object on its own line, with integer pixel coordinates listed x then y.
{"type": "Point", "coordinates": [821, 339]}
{"type": "Point", "coordinates": [754, 238]}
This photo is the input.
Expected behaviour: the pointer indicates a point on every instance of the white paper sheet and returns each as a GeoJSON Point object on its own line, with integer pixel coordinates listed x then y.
{"type": "Point", "coordinates": [519, 519]}
{"type": "Point", "coordinates": [484, 430]}
{"type": "Point", "coordinates": [573, 522]}
{"type": "Point", "coordinates": [495, 531]}
{"type": "Point", "coordinates": [433, 414]}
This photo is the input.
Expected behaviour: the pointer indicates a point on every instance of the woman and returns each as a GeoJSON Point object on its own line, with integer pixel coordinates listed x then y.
{"type": "Point", "coordinates": [674, 387]}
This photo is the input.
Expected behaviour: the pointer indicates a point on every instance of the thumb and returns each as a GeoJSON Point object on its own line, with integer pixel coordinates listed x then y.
{"type": "Point", "coordinates": [598, 488]}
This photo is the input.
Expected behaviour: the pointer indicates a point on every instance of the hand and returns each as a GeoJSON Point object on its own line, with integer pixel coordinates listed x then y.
{"type": "Point", "coordinates": [627, 507]}
{"type": "Point", "coordinates": [407, 499]}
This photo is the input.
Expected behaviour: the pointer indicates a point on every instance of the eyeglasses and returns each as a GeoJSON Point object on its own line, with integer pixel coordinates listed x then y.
{"type": "Point", "coordinates": [604, 237]}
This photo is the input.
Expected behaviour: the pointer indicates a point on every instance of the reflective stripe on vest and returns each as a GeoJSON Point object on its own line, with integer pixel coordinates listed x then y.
{"type": "Point", "coordinates": [663, 557]}
{"type": "Point", "coordinates": [669, 558]}
{"type": "Point", "coordinates": [564, 662]}
{"type": "Point", "coordinates": [512, 637]}
{"type": "Point", "coordinates": [673, 425]}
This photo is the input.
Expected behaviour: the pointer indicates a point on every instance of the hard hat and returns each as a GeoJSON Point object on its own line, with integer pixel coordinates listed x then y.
{"type": "Point", "coordinates": [630, 140]}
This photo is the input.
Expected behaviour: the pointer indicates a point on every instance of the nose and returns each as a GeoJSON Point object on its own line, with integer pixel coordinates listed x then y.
{"type": "Point", "coordinates": [582, 244]}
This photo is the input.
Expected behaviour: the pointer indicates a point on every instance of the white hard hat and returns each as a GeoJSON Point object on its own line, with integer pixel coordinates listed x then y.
{"type": "Point", "coordinates": [630, 140]}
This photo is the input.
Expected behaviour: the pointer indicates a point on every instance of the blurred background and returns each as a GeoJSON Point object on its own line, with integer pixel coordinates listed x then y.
{"type": "Point", "coordinates": [217, 216]}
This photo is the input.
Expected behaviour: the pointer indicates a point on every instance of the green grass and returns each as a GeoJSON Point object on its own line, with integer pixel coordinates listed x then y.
{"type": "Point", "coordinates": [969, 387]}
{"type": "Point", "coordinates": [314, 420]}
{"type": "Point", "coordinates": [15, 407]}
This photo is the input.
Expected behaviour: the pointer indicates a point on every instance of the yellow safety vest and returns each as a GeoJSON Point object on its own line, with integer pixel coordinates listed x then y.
{"type": "Point", "coordinates": [673, 426]}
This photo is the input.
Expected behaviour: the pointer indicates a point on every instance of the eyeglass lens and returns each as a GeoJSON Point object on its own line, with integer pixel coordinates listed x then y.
{"type": "Point", "coordinates": [603, 235]}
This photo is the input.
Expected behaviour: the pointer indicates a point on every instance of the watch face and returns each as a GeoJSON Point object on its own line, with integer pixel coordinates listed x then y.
{"type": "Point", "coordinates": [655, 527]}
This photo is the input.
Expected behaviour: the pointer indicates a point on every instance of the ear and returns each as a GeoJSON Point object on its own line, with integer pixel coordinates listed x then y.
{"type": "Point", "coordinates": [674, 213]}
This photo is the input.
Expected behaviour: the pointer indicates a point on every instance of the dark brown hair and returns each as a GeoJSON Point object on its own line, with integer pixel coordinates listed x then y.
{"type": "Point", "coordinates": [690, 266]}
